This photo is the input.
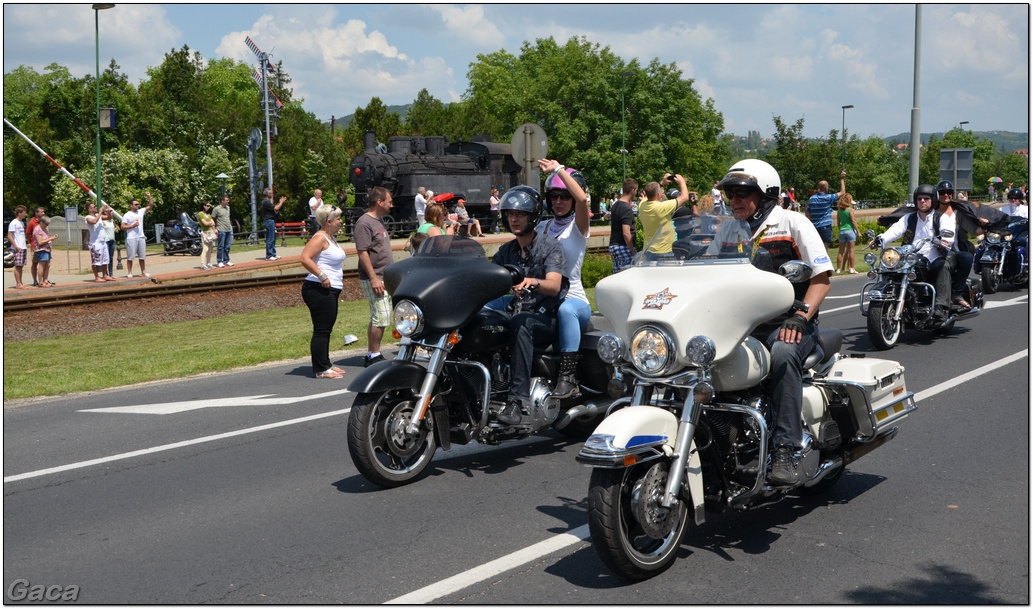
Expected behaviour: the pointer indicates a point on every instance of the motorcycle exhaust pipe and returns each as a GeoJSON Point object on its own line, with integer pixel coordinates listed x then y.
{"type": "Point", "coordinates": [849, 456]}
{"type": "Point", "coordinates": [587, 409]}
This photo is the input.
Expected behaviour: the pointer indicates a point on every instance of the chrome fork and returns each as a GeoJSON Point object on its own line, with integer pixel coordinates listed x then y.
{"type": "Point", "coordinates": [440, 350]}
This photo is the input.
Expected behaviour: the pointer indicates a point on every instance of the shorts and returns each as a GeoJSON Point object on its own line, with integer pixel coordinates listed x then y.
{"type": "Point", "coordinates": [847, 236]}
{"type": "Point", "coordinates": [825, 232]}
{"type": "Point", "coordinates": [99, 254]}
{"type": "Point", "coordinates": [43, 256]}
{"type": "Point", "coordinates": [136, 248]}
{"type": "Point", "coordinates": [381, 312]}
{"type": "Point", "coordinates": [621, 256]}
{"type": "Point", "coordinates": [19, 257]}
{"type": "Point", "coordinates": [35, 256]}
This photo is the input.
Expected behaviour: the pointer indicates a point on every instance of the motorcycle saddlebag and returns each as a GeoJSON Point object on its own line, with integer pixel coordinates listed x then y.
{"type": "Point", "coordinates": [878, 394]}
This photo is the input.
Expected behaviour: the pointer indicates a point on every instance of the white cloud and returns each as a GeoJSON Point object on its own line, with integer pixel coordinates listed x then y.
{"type": "Point", "coordinates": [468, 22]}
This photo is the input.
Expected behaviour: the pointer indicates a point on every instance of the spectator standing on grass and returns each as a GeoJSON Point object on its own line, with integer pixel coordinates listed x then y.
{"type": "Point", "coordinates": [314, 203]}
{"type": "Point", "coordinates": [42, 240]}
{"type": "Point", "coordinates": [99, 257]}
{"type": "Point", "coordinates": [820, 206]}
{"type": "Point", "coordinates": [622, 227]}
{"type": "Point", "coordinates": [655, 212]}
{"type": "Point", "coordinates": [33, 223]}
{"type": "Point", "coordinates": [136, 240]}
{"type": "Point", "coordinates": [374, 249]}
{"type": "Point", "coordinates": [270, 212]}
{"type": "Point", "coordinates": [107, 219]}
{"type": "Point", "coordinates": [221, 215]}
{"type": "Point", "coordinates": [16, 235]}
{"type": "Point", "coordinates": [209, 238]}
{"type": "Point", "coordinates": [321, 290]}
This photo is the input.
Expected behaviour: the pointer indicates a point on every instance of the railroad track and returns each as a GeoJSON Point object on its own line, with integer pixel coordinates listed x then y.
{"type": "Point", "coordinates": [64, 297]}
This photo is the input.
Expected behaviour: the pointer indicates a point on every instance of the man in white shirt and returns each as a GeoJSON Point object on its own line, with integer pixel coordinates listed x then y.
{"type": "Point", "coordinates": [313, 204]}
{"type": "Point", "coordinates": [929, 225]}
{"type": "Point", "coordinates": [719, 200]}
{"type": "Point", "coordinates": [421, 204]}
{"type": "Point", "coordinates": [136, 241]}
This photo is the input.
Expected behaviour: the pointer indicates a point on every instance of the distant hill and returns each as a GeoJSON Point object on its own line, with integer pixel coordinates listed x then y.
{"type": "Point", "coordinates": [402, 111]}
{"type": "Point", "coordinates": [1008, 140]}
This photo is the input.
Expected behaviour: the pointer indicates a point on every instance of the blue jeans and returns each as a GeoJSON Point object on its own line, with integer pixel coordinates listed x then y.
{"type": "Point", "coordinates": [785, 382]}
{"type": "Point", "coordinates": [111, 257]}
{"type": "Point", "coordinates": [270, 237]}
{"type": "Point", "coordinates": [574, 315]}
{"type": "Point", "coordinates": [222, 254]}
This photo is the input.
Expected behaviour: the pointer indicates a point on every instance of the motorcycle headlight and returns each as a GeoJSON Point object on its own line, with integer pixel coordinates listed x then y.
{"type": "Point", "coordinates": [408, 318]}
{"type": "Point", "coordinates": [651, 350]}
{"type": "Point", "coordinates": [993, 237]}
{"type": "Point", "coordinates": [911, 258]}
{"type": "Point", "coordinates": [1007, 237]}
{"type": "Point", "coordinates": [890, 258]}
{"type": "Point", "coordinates": [611, 349]}
{"type": "Point", "coordinates": [870, 259]}
{"type": "Point", "coordinates": [700, 351]}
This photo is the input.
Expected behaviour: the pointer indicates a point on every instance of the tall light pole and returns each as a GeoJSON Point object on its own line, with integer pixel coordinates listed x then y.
{"type": "Point", "coordinates": [962, 124]}
{"type": "Point", "coordinates": [97, 8]}
{"type": "Point", "coordinates": [843, 134]}
{"type": "Point", "coordinates": [624, 146]}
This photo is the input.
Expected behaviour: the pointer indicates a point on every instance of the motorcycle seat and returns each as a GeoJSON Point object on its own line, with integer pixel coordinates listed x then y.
{"type": "Point", "coordinates": [827, 346]}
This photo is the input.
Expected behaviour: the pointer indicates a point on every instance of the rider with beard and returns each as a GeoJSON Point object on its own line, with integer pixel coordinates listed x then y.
{"type": "Point", "coordinates": [927, 224]}
{"type": "Point", "coordinates": [537, 298]}
{"type": "Point", "coordinates": [752, 189]}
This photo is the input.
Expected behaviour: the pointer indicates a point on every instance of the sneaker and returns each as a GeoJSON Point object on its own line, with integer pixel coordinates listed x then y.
{"type": "Point", "coordinates": [220, 265]}
{"type": "Point", "coordinates": [784, 467]}
{"type": "Point", "coordinates": [130, 276]}
{"type": "Point", "coordinates": [146, 274]}
{"type": "Point", "coordinates": [510, 413]}
{"type": "Point", "coordinates": [368, 361]}
{"type": "Point", "coordinates": [853, 271]}
{"type": "Point", "coordinates": [229, 264]}
{"type": "Point", "coordinates": [329, 374]}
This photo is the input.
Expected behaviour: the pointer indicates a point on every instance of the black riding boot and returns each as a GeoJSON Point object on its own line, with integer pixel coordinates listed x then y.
{"type": "Point", "coordinates": [566, 386]}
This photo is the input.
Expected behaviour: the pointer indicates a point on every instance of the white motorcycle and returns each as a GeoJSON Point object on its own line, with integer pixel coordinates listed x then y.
{"type": "Point", "coordinates": [694, 436]}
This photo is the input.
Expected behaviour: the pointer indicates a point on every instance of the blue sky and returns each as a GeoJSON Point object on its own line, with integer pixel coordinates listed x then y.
{"type": "Point", "coordinates": [756, 61]}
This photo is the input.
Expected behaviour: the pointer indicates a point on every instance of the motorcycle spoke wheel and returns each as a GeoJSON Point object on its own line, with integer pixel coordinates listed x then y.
{"type": "Point", "coordinates": [991, 280]}
{"type": "Point", "coordinates": [634, 536]}
{"type": "Point", "coordinates": [883, 331]}
{"type": "Point", "coordinates": [380, 447]}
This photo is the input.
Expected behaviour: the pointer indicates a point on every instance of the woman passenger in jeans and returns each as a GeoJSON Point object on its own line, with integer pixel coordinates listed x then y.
{"type": "Point", "coordinates": [321, 290]}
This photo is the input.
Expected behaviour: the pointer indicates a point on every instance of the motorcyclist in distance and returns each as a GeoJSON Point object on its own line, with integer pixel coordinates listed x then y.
{"type": "Point", "coordinates": [536, 300]}
{"type": "Point", "coordinates": [929, 225]}
{"type": "Point", "coordinates": [752, 188]}
{"type": "Point", "coordinates": [963, 249]}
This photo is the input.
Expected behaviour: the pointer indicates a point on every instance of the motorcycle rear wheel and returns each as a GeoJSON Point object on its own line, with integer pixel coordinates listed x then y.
{"type": "Point", "coordinates": [195, 248]}
{"type": "Point", "coordinates": [381, 450]}
{"type": "Point", "coordinates": [883, 331]}
{"type": "Point", "coordinates": [991, 280]}
{"type": "Point", "coordinates": [616, 500]}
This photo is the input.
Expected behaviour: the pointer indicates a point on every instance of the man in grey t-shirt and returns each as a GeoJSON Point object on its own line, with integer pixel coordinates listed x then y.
{"type": "Point", "coordinates": [373, 245]}
{"type": "Point", "coordinates": [224, 227]}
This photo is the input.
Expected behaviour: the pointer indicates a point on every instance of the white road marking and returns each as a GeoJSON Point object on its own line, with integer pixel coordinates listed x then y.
{"type": "Point", "coordinates": [493, 568]}
{"type": "Point", "coordinates": [174, 445]}
{"type": "Point", "coordinates": [244, 400]}
{"type": "Point", "coordinates": [1008, 303]}
{"type": "Point", "coordinates": [433, 592]}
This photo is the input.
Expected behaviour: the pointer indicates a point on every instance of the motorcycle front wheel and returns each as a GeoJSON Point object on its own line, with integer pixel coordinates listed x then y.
{"type": "Point", "coordinates": [380, 447]}
{"type": "Point", "coordinates": [883, 330]}
{"type": "Point", "coordinates": [991, 280]}
{"type": "Point", "coordinates": [632, 533]}
{"type": "Point", "coordinates": [195, 248]}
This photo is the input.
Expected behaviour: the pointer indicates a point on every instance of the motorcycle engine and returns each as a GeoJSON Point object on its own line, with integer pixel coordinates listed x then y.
{"type": "Point", "coordinates": [546, 409]}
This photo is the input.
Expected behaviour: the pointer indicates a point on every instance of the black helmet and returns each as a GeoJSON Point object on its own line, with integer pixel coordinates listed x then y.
{"type": "Point", "coordinates": [525, 199]}
{"type": "Point", "coordinates": [673, 193]}
{"type": "Point", "coordinates": [556, 183]}
{"type": "Point", "coordinates": [1016, 193]}
{"type": "Point", "coordinates": [924, 189]}
{"type": "Point", "coordinates": [944, 185]}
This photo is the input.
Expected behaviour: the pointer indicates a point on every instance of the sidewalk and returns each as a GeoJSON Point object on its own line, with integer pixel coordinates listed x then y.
{"type": "Point", "coordinates": [71, 270]}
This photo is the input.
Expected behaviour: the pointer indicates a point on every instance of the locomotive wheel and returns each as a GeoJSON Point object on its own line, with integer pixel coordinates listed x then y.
{"type": "Point", "coordinates": [883, 331]}
{"type": "Point", "coordinates": [631, 532]}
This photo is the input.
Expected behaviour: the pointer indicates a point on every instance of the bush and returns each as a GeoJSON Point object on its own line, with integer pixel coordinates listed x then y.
{"type": "Point", "coordinates": [594, 268]}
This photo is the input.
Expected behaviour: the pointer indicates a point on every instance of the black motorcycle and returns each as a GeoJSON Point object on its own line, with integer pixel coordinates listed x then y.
{"type": "Point", "coordinates": [1003, 256]}
{"type": "Point", "coordinates": [8, 254]}
{"type": "Point", "coordinates": [452, 373]}
{"type": "Point", "coordinates": [182, 236]}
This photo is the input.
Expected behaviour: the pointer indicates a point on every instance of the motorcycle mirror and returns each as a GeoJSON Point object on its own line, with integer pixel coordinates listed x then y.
{"type": "Point", "coordinates": [870, 234]}
{"type": "Point", "coordinates": [515, 273]}
{"type": "Point", "coordinates": [946, 234]}
{"type": "Point", "coordinates": [796, 271]}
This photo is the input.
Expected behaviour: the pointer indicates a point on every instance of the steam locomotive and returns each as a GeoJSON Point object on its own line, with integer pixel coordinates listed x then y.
{"type": "Point", "coordinates": [470, 169]}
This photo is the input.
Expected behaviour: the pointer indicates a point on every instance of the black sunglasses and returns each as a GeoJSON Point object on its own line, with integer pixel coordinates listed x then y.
{"type": "Point", "coordinates": [741, 192]}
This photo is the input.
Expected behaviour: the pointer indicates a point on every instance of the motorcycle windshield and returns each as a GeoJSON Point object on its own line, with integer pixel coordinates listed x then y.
{"type": "Point", "coordinates": [450, 278]}
{"type": "Point", "coordinates": [697, 239]}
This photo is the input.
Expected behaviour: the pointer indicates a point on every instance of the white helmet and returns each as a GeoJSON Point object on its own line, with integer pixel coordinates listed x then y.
{"type": "Point", "coordinates": [754, 173]}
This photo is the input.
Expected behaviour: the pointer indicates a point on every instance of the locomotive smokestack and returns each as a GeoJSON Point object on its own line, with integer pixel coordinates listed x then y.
{"type": "Point", "coordinates": [369, 140]}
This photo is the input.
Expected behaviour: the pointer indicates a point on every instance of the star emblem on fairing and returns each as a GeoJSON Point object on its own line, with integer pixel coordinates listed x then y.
{"type": "Point", "coordinates": [658, 300]}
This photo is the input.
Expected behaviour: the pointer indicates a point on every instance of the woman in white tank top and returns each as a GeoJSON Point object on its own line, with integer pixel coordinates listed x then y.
{"type": "Point", "coordinates": [322, 258]}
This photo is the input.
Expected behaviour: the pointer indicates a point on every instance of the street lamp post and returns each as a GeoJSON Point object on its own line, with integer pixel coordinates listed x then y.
{"type": "Point", "coordinates": [97, 8]}
{"type": "Point", "coordinates": [624, 146]}
{"type": "Point", "coordinates": [962, 124]}
{"type": "Point", "coordinates": [843, 134]}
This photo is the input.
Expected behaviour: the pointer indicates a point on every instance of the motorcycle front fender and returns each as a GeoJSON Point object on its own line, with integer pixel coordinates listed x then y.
{"type": "Point", "coordinates": [388, 375]}
{"type": "Point", "coordinates": [631, 435]}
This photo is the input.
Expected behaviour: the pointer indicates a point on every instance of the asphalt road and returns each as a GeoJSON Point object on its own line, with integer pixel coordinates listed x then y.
{"type": "Point", "coordinates": [238, 488]}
